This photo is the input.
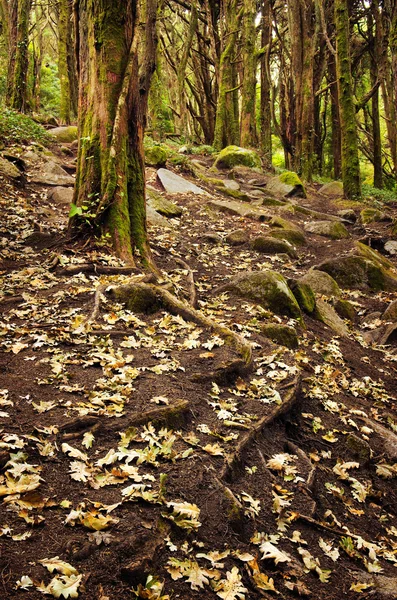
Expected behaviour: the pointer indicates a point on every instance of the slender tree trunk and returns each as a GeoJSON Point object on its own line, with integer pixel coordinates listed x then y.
{"type": "Point", "coordinates": [375, 112]}
{"type": "Point", "coordinates": [266, 109]}
{"type": "Point", "coordinates": [335, 117]}
{"type": "Point", "coordinates": [17, 97]}
{"type": "Point", "coordinates": [248, 134]}
{"type": "Point", "coordinates": [64, 32]}
{"type": "Point", "coordinates": [116, 61]}
{"type": "Point", "coordinates": [350, 161]}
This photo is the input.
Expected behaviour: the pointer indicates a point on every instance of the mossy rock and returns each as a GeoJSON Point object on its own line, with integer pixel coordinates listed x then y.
{"type": "Point", "coordinates": [270, 245]}
{"type": "Point", "coordinates": [281, 334]}
{"type": "Point", "coordinates": [271, 201]}
{"type": "Point", "coordinates": [288, 185]}
{"type": "Point", "coordinates": [304, 295]}
{"type": "Point", "coordinates": [372, 255]}
{"type": "Point", "coordinates": [334, 189]}
{"type": "Point", "coordinates": [237, 237]}
{"type": "Point", "coordinates": [330, 229]}
{"type": "Point", "coordinates": [284, 224]}
{"type": "Point", "coordinates": [393, 230]}
{"type": "Point", "coordinates": [293, 236]}
{"type": "Point", "coordinates": [155, 156]}
{"type": "Point", "coordinates": [390, 313]}
{"type": "Point", "coordinates": [162, 205]}
{"type": "Point", "coordinates": [231, 156]}
{"type": "Point", "coordinates": [359, 448]}
{"type": "Point", "coordinates": [268, 289]}
{"type": "Point", "coordinates": [327, 314]}
{"type": "Point", "coordinates": [233, 193]}
{"type": "Point", "coordinates": [321, 283]}
{"type": "Point", "coordinates": [65, 135]}
{"type": "Point", "coordinates": [345, 309]}
{"type": "Point", "coordinates": [371, 215]}
{"type": "Point", "coordinates": [358, 272]}
{"type": "Point", "coordinates": [135, 299]}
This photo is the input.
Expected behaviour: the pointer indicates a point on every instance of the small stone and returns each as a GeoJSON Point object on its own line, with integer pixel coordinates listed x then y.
{"type": "Point", "coordinates": [281, 334]}
{"type": "Point", "coordinates": [256, 193]}
{"type": "Point", "coordinates": [211, 238]}
{"type": "Point", "coordinates": [270, 245]}
{"type": "Point", "coordinates": [348, 214]}
{"type": "Point", "coordinates": [242, 209]}
{"type": "Point", "coordinates": [294, 237]}
{"type": "Point", "coordinates": [237, 237]}
{"type": "Point", "coordinates": [321, 283]}
{"type": "Point", "coordinates": [52, 174]}
{"type": "Point", "coordinates": [162, 205]}
{"type": "Point", "coordinates": [155, 219]}
{"type": "Point", "coordinates": [333, 189]}
{"type": "Point", "coordinates": [330, 229]}
{"type": "Point", "coordinates": [345, 309]}
{"type": "Point", "coordinates": [287, 185]}
{"type": "Point", "coordinates": [61, 195]}
{"type": "Point", "coordinates": [327, 314]}
{"type": "Point", "coordinates": [230, 184]}
{"type": "Point", "coordinates": [9, 170]}
{"type": "Point", "coordinates": [391, 247]}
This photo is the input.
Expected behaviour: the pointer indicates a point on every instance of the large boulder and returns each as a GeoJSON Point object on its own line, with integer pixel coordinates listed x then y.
{"type": "Point", "coordinates": [155, 156]}
{"type": "Point", "coordinates": [330, 229]}
{"type": "Point", "coordinates": [281, 334]}
{"type": "Point", "coordinates": [9, 170]}
{"type": "Point", "coordinates": [287, 185]}
{"type": "Point", "coordinates": [334, 189]}
{"type": "Point", "coordinates": [231, 156]}
{"type": "Point", "coordinates": [64, 135]}
{"type": "Point", "coordinates": [353, 271]}
{"type": "Point", "coordinates": [321, 283]}
{"type": "Point", "coordinates": [53, 174]}
{"type": "Point", "coordinates": [175, 184]}
{"type": "Point", "coordinates": [162, 205]}
{"type": "Point", "coordinates": [267, 288]}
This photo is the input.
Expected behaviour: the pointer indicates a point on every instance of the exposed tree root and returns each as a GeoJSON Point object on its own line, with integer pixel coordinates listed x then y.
{"type": "Point", "coordinates": [143, 296]}
{"type": "Point", "coordinates": [96, 269]}
{"type": "Point", "coordinates": [319, 525]}
{"type": "Point", "coordinates": [80, 424]}
{"type": "Point", "coordinates": [168, 414]}
{"type": "Point", "coordinates": [310, 479]}
{"type": "Point", "coordinates": [288, 402]}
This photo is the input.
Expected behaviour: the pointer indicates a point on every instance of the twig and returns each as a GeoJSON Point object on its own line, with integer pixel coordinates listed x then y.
{"type": "Point", "coordinates": [311, 521]}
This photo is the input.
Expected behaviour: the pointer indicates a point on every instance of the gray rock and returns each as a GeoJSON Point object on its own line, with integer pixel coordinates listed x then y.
{"type": "Point", "coordinates": [327, 314]}
{"type": "Point", "coordinates": [330, 229]}
{"type": "Point", "coordinates": [391, 247]}
{"type": "Point", "coordinates": [175, 184]}
{"type": "Point", "coordinates": [61, 195]}
{"type": "Point", "coordinates": [382, 336]}
{"type": "Point", "coordinates": [230, 184]}
{"type": "Point", "coordinates": [155, 219]}
{"type": "Point", "coordinates": [30, 156]}
{"type": "Point", "coordinates": [9, 170]}
{"type": "Point", "coordinates": [333, 189]}
{"type": "Point", "coordinates": [162, 205]}
{"type": "Point", "coordinates": [390, 313]}
{"type": "Point", "coordinates": [270, 245]}
{"type": "Point", "coordinates": [52, 174]}
{"type": "Point", "coordinates": [237, 237]}
{"type": "Point", "coordinates": [359, 448]}
{"type": "Point", "coordinates": [211, 238]}
{"type": "Point", "coordinates": [359, 272]}
{"type": "Point", "coordinates": [256, 193]}
{"type": "Point", "coordinates": [267, 288]}
{"type": "Point", "coordinates": [287, 185]}
{"type": "Point", "coordinates": [347, 214]}
{"type": "Point", "coordinates": [321, 283]}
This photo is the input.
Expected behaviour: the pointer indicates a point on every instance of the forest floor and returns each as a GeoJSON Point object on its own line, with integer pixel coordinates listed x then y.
{"type": "Point", "coordinates": [129, 450]}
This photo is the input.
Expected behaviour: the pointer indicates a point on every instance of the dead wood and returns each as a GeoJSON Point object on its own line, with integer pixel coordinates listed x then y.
{"type": "Point", "coordinates": [319, 525]}
{"type": "Point", "coordinates": [278, 411]}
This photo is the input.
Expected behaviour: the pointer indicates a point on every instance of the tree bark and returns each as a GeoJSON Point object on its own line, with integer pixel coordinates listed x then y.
{"type": "Point", "coordinates": [248, 133]}
{"type": "Point", "coordinates": [350, 161]}
{"type": "Point", "coordinates": [117, 52]}
{"type": "Point", "coordinates": [266, 109]}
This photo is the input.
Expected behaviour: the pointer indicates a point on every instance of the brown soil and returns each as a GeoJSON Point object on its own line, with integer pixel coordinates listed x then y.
{"type": "Point", "coordinates": [65, 380]}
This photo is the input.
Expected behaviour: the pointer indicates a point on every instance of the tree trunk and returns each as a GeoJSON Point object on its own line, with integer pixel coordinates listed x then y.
{"type": "Point", "coordinates": [336, 144]}
{"type": "Point", "coordinates": [64, 33]}
{"type": "Point", "coordinates": [18, 63]}
{"type": "Point", "coordinates": [266, 109]}
{"type": "Point", "coordinates": [375, 113]}
{"type": "Point", "coordinates": [116, 61]}
{"type": "Point", "coordinates": [350, 161]}
{"type": "Point", "coordinates": [248, 135]}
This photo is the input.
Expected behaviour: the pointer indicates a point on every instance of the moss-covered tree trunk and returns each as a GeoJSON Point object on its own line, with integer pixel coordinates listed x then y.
{"type": "Point", "coordinates": [266, 107]}
{"type": "Point", "coordinates": [350, 160]}
{"type": "Point", "coordinates": [64, 37]}
{"type": "Point", "coordinates": [117, 52]}
{"type": "Point", "coordinates": [374, 51]}
{"type": "Point", "coordinates": [248, 134]}
{"type": "Point", "coordinates": [18, 66]}
{"type": "Point", "coordinates": [226, 122]}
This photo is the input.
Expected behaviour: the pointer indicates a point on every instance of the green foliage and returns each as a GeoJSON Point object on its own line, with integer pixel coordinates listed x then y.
{"type": "Point", "coordinates": [16, 128]}
{"type": "Point", "coordinates": [203, 150]}
{"type": "Point", "coordinates": [50, 92]}
{"type": "Point", "coordinates": [382, 196]}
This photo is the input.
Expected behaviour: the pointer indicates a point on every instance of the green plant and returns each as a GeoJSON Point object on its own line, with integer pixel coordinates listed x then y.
{"type": "Point", "coordinates": [16, 128]}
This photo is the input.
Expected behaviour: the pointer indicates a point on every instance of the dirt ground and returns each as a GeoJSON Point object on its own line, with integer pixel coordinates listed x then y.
{"type": "Point", "coordinates": [128, 450]}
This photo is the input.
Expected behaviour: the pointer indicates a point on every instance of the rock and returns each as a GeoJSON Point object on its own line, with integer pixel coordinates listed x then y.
{"type": "Point", "coordinates": [287, 185]}
{"type": "Point", "coordinates": [281, 334]}
{"type": "Point", "coordinates": [30, 156]}
{"type": "Point", "coordinates": [61, 195]}
{"type": "Point", "coordinates": [330, 229]}
{"type": "Point", "coordinates": [52, 174]}
{"type": "Point", "coordinates": [321, 283]}
{"type": "Point", "coordinates": [345, 310]}
{"type": "Point", "coordinates": [267, 288]}
{"type": "Point", "coordinates": [183, 150]}
{"type": "Point", "coordinates": [155, 156]}
{"type": "Point", "coordinates": [230, 184]}
{"type": "Point", "coordinates": [211, 238]}
{"type": "Point", "coordinates": [359, 448]}
{"type": "Point", "coordinates": [162, 205]}
{"type": "Point", "coordinates": [270, 245]}
{"type": "Point", "coordinates": [271, 202]}
{"type": "Point", "coordinates": [372, 255]}
{"type": "Point", "coordinates": [237, 237]}
{"type": "Point", "coordinates": [387, 439]}
{"type": "Point", "coordinates": [242, 209]}
{"type": "Point", "coordinates": [347, 214]}
{"type": "Point", "coordinates": [327, 314]}
{"type": "Point", "coordinates": [40, 240]}
{"type": "Point", "coordinates": [382, 336]}
{"type": "Point", "coordinates": [233, 155]}
{"type": "Point", "coordinates": [64, 134]}
{"type": "Point", "coordinates": [256, 193]}
{"type": "Point", "coordinates": [371, 215]}
{"type": "Point", "coordinates": [304, 295]}
{"type": "Point", "coordinates": [334, 189]}
{"type": "Point", "coordinates": [9, 170]}
{"type": "Point", "coordinates": [155, 219]}
{"type": "Point", "coordinates": [357, 272]}
{"type": "Point", "coordinates": [391, 247]}
{"type": "Point", "coordinates": [287, 231]}
{"type": "Point", "coordinates": [175, 184]}
{"type": "Point", "coordinates": [390, 313]}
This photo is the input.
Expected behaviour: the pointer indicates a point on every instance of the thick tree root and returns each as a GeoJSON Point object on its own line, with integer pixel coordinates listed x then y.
{"type": "Point", "coordinates": [142, 296]}
{"type": "Point", "coordinates": [278, 411]}
{"type": "Point", "coordinates": [96, 270]}
{"type": "Point", "coordinates": [162, 414]}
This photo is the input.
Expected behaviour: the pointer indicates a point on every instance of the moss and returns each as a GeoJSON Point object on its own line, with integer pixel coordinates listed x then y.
{"type": "Point", "coordinates": [372, 255]}
{"type": "Point", "coordinates": [162, 205]}
{"type": "Point", "coordinates": [233, 193]}
{"type": "Point", "coordinates": [294, 237]}
{"type": "Point", "coordinates": [370, 215]}
{"type": "Point", "coordinates": [136, 299]}
{"type": "Point", "coordinates": [284, 224]}
{"type": "Point", "coordinates": [304, 296]}
{"type": "Point", "coordinates": [65, 135]}
{"type": "Point", "coordinates": [269, 245]}
{"type": "Point", "coordinates": [321, 283]}
{"type": "Point", "coordinates": [156, 156]}
{"type": "Point", "coordinates": [347, 204]}
{"type": "Point", "coordinates": [272, 202]}
{"type": "Point", "coordinates": [281, 334]}
{"type": "Point", "coordinates": [359, 272]}
{"type": "Point", "coordinates": [234, 155]}
{"type": "Point", "coordinates": [345, 309]}
{"type": "Point", "coordinates": [290, 178]}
